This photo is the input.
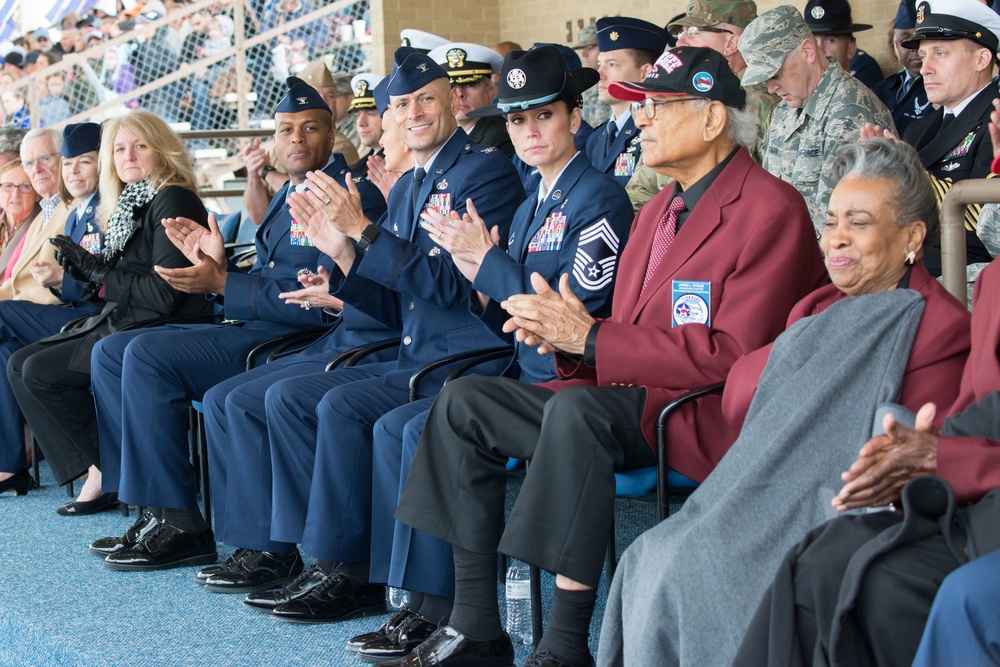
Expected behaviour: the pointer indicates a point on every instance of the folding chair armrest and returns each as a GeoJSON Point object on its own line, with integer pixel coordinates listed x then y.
{"type": "Point", "coordinates": [423, 372]}
{"type": "Point", "coordinates": [351, 357]}
{"type": "Point", "coordinates": [278, 344]}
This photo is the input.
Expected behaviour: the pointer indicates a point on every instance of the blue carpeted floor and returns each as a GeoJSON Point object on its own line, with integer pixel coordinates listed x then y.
{"type": "Point", "coordinates": [60, 606]}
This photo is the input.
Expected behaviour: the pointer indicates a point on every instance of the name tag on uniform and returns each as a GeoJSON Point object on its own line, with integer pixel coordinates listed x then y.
{"type": "Point", "coordinates": [440, 203]}
{"type": "Point", "coordinates": [550, 236]}
{"type": "Point", "coordinates": [625, 164]}
{"type": "Point", "coordinates": [91, 243]}
{"type": "Point", "coordinates": [298, 235]}
{"type": "Point", "coordinates": [692, 302]}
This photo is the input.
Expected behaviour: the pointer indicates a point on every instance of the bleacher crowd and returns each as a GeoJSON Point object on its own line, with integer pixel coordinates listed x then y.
{"type": "Point", "coordinates": [492, 257]}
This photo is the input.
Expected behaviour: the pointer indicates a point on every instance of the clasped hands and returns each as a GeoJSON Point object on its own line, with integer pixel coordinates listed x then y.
{"type": "Point", "coordinates": [549, 320]}
{"type": "Point", "coordinates": [887, 462]}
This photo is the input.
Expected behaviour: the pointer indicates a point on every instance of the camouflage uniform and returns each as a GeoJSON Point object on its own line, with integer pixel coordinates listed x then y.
{"type": "Point", "coordinates": [801, 143]}
{"type": "Point", "coordinates": [594, 111]}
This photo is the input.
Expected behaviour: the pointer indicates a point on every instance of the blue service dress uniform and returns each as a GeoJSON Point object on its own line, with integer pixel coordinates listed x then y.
{"type": "Point", "coordinates": [579, 229]}
{"type": "Point", "coordinates": [321, 425]}
{"type": "Point", "coordinates": [141, 373]}
{"type": "Point", "coordinates": [622, 157]}
{"type": "Point", "coordinates": [25, 322]}
{"type": "Point", "coordinates": [904, 107]}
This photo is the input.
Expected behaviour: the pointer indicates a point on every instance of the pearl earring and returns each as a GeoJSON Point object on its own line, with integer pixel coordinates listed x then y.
{"type": "Point", "coordinates": [911, 257]}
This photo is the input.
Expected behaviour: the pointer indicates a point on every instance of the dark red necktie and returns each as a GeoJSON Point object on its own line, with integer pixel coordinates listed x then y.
{"type": "Point", "coordinates": [664, 237]}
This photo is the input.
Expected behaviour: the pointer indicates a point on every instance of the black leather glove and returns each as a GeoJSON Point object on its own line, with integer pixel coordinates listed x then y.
{"type": "Point", "coordinates": [77, 262]}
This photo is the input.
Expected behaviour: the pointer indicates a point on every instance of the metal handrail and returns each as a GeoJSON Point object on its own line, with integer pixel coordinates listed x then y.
{"type": "Point", "coordinates": [953, 256]}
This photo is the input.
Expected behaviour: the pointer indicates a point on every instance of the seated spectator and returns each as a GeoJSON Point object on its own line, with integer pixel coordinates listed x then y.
{"type": "Point", "coordinates": [15, 107]}
{"type": "Point", "coordinates": [822, 108]}
{"type": "Point", "coordinates": [54, 107]}
{"type": "Point", "coordinates": [117, 75]}
{"type": "Point", "coordinates": [857, 590]}
{"type": "Point", "coordinates": [18, 207]}
{"type": "Point", "coordinates": [831, 23]}
{"type": "Point", "coordinates": [313, 34]}
{"type": "Point", "coordinates": [145, 177]}
{"type": "Point", "coordinates": [903, 92]}
{"type": "Point", "coordinates": [686, 305]}
{"type": "Point", "coordinates": [686, 589]}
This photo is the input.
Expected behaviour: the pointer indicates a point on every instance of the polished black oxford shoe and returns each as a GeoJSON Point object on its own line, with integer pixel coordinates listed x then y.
{"type": "Point", "coordinates": [399, 643]}
{"type": "Point", "coordinates": [206, 572]}
{"type": "Point", "coordinates": [310, 578]}
{"type": "Point", "coordinates": [105, 546]}
{"type": "Point", "coordinates": [165, 547]}
{"type": "Point", "coordinates": [450, 648]}
{"type": "Point", "coordinates": [397, 619]}
{"type": "Point", "coordinates": [256, 571]}
{"type": "Point", "coordinates": [544, 658]}
{"type": "Point", "coordinates": [336, 599]}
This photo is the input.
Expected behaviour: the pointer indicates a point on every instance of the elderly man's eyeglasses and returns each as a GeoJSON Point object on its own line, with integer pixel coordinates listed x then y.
{"type": "Point", "coordinates": [22, 187]}
{"type": "Point", "coordinates": [649, 106]}
{"type": "Point", "coordinates": [692, 31]}
{"type": "Point", "coordinates": [44, 161]}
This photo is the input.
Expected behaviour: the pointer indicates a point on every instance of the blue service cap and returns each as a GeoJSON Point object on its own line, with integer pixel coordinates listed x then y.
{"type": "Point", "coordinates": [80, 138]}
{"type": "Point", "coordinates": [300, 96]}
{"type": "Point", "coordinates": [412, 70]}
{"type": "Point", "coordinates": [381, 95]}
{"type": "Point", "coordinates": [906, 16]}
{"type": "Point", "coordinates": [623, 32]}
{"type": "Point", "coordinates": [569, 55]}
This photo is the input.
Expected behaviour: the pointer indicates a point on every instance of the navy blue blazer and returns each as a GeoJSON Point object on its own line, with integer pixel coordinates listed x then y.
{"type": "Point", "coordinates": [909, 107]}
{"type": "Point", "coordinates": [282, 251]}
{"type": "Point", "coordinates": [625, 155]}
{"type": "Point", "coordinates": [77, 228]}
{"type": "Point", "coordinates": [406, 281]}
{"type": "Point", "coordinates": [579, 229]}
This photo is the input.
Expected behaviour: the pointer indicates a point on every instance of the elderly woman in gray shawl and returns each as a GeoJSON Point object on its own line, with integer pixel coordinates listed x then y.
{"type": "Point", "coordinates": [883, 331]}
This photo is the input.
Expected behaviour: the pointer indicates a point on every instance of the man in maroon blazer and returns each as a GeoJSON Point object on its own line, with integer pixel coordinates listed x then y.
{"type": "Point", "coordinates": [712, 268]}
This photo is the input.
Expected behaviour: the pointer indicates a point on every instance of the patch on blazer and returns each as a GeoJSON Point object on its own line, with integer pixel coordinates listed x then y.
{"type": "Point", "coordinates": [692, 302]}
{"type": "Point", "coordinates": [297, 235]}
{"type": "Point", "coordinates": [625, 164]}
{"type": "Point", "coordinates": [439, 203]}
{"type": "Point", "coordinates": [549, 238]}
{"type": "Point", "coordinates": [596, 256]}
{"type": "Point", "coordinates": [962, 149]}
{"type": "Point", "coordinates": [91, 243]}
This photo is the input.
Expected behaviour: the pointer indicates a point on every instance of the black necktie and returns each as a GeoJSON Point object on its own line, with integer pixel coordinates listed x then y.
{"type": "Point", "coordinates": [946, 120]}
{"type": "Point", "coordinates": [612, 135]}
{"type": "Point", "coordinates": [418, 180]}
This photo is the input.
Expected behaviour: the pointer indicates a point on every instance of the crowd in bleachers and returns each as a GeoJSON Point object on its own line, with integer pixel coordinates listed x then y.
{"type": "Point", "coordinates": [587, 232]}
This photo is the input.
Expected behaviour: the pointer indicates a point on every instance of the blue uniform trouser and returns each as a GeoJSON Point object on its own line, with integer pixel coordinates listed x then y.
{"type": "Point", "coordinates": [321, 457]}
{"type": "Point", "coordinates": [964, 625]}
{"type": "Point", "coordinates": [23, 323]}
{"type": "Point", "coordinates": [144, 382]}
{"type": "Point", "coordinates": [401, 556]}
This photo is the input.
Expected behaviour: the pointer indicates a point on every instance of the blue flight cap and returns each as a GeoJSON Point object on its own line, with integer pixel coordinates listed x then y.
{"type": "Point", "coordinates": [381, 95]}
{"type": "Point", "coordinates": [623, 32]}
{"type": "Point", "coordinates": [569, 55]}
{"type": "Point", "coordinates": [906, 16]}
{"type": "Point", "coordinates": [300, 96]}
{"type": "Point", "coordinates": [412, 71]}
{"type": "Point", "coordinates": [81, 138]}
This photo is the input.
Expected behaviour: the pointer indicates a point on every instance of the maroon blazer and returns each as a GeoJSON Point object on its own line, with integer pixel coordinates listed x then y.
{"type": "Point", "coordinates": [751, 238]}
{"type": "Point", "coordinates": [939, 352]}
{"type": "Point", "coordinates": [972, 465]}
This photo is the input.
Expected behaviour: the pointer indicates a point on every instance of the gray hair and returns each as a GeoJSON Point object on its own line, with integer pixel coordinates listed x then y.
{"type": "Point", "coordinates": [741, 128]}
{"type": "Point", "coordinates": [54, 134]}
{"type": "Point", "coordinates": [880, 158]}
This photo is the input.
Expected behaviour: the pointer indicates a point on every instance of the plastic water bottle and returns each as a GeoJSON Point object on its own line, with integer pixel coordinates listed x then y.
{"type": "Point", "coordinates": [519, 602]}
{"type": "Point", "coordinates": [397, 597]}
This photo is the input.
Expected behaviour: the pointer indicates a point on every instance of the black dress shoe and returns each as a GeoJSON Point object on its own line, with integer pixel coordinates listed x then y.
{"type": "Point", "coordinates": [165, 547]}
{"type": "Point", "coordinates": [20, 483]}
{"type": "Point", "coordinates": [138, 530]}
{"type": "Point", "coordinates": [410, 634]}
{"type": "Point", "coordinates": [450, 648]}
{"type": "Point", "coordinates": [105, 501]}
{"type": "Point", "coordinates": [256, 571]}
{"type": "Point", "coordinates": [397, 619]}
{"type": "Point", "coordinates": [544, 658]}
{"type": "Point", "coordinates": [336, 599]}
{"type": "Point", "coordinates": [206, 572]}
{"type": "Point", "coordinates": [310, 578]}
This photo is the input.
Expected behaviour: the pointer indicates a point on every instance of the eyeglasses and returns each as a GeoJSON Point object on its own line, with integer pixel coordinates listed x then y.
{"type": "Point", "coordinates": [44, 160]}
{"type": "Point", "coordinates": [9, 187]}
{"type": "Point", "coordinates": [649, 106]}
{"type": "Point", "coordinates": [692, 31]}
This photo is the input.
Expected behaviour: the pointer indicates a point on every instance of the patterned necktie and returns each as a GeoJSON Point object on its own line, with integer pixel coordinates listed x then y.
{"type": "Point", "coordinates": [418, 180]}
{"type": "Point", "coordinates": [905, 88]}
{"type": "Point", "coordinates": [664, 237]}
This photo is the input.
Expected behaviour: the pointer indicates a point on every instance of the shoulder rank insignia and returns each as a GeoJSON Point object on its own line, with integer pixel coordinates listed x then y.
{"type": "Point", "coordinates": [488, 149]}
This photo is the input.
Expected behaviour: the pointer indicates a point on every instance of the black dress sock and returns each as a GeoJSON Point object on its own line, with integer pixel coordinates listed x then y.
{"type": "Point", "coordinates": [356, 572]}
{"type": "Point", "coordinates": [414, 601]}
{"type": "Point", "coordinates": [156, 512]}
{"type": "Point", "coordinates": [328, 566]}
{"type": "Point", "coordinates": [569, 626]}
{"type": "Point", "coordinates": [476, 612]}
{"type": "Point", "coordinates": [190, 521]}
{"type": "Point", "coordinates": [435, 609]}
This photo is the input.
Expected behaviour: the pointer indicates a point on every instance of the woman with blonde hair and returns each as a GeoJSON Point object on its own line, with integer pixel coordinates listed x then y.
{"type": "Point", "coordinates": [145, 176]}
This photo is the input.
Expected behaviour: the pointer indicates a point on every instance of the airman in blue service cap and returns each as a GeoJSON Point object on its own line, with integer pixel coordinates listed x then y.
{"type": "Point", "coordinates": [412, 71]}
{"type": "Point", "coordinates": [381, 95]}
{"type": "Point", "coordinates": [956, 19]}
{"type": "Point", "coordinates": [300, 96]}
{"type": "Point", "coordinates": [623, 32]}
{"type": "Point", "coordinates": [80, 138]}
{"type": "Point", "coordinates": [906, 16]}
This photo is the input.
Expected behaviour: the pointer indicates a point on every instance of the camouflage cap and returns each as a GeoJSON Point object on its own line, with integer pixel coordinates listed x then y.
{"type": "Point", "coordinates": [587, 37]}
{"type": "Point", "coordinates": [706, 13]}
{"type": "Point", "coordinates": [768, 39]}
